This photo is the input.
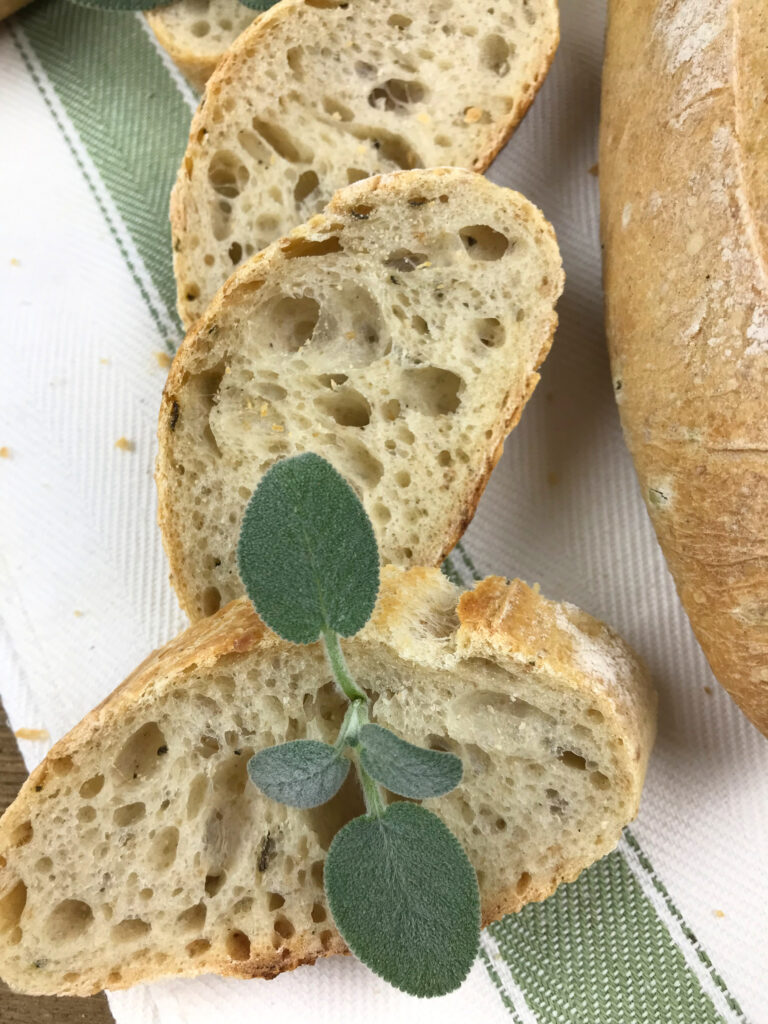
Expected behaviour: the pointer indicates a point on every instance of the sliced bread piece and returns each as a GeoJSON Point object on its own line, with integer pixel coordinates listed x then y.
{"type": "Point", "coordinates": [139, 848]}
{"type": "Point", "coordinates": [318, 93]}
{"type": "Point", "coordinates": [397, 335]}
{"type": "Point", "coordinates": [196, 33]}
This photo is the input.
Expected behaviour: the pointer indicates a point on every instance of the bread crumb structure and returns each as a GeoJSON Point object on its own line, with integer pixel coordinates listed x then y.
{"type": "Point", "coordinates": [140, 849]}
{"type": "Point", "coordinates": [397, 335]}
{"type": "Point", "coordinates": [318, 94]}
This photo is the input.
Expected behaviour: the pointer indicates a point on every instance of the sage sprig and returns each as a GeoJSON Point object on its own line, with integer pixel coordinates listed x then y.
{"type": "Point", "coordinates": [401, 889]}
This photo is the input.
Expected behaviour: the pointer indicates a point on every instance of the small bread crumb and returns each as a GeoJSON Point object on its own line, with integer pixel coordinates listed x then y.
{"type": "Point", "coordinates": [472, 115]}
{"type": "Point", "coordinates": [15, 262]}
{"type": "Point", "coordinates": [77, 613]}
{"type": "Point", "coordinates": [104, 361]}
{"type": "Point", "coordinates": [718, 913]}
{"type": "Point", "coordinates": [594, 170]}
{"type": "Point", "coordinates": [708, 689]}
{"type": "Point", "coordinates": [163, 360]}
{"type": "Point", "coordinates": [278, 427]}
{"type": "Point", "coordinates": [32, 734]}
{"type": "Point", "coordinates": [125, 445]}
{"type": "Point", "coordinates": [5, 452]}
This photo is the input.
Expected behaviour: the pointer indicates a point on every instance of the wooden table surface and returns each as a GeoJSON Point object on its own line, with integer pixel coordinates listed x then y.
{"type": "Point", "coordinates": [16, 1009]}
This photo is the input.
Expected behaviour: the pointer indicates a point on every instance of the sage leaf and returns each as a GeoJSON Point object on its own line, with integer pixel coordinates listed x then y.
{"type": "Point", "coordinates": [122, 5]}
{"type": "Point", "coordinates": [307, 553]}
{"type": "Point", "coordinates": [258, 5]}
{"type": "Point", "coordinates": [302, 773]}
{"type": "Point", "coordinates": [406, 769]}
{"type": "Point", "coordinates": [404, 896]}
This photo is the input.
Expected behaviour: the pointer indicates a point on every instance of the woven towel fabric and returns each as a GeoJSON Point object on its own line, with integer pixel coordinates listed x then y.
{"type": "Point", "coordinates": [669, 928]}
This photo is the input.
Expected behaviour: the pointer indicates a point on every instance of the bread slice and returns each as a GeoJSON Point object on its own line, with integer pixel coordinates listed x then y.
{"type": "Point", "coordinates": [139, 849]}
{"type": "Point", "coordinates": [397, 335]}
{"type": "Point", "coordinates": [196, 33]}
{"type": "Point", "coordinates": [318, 93]}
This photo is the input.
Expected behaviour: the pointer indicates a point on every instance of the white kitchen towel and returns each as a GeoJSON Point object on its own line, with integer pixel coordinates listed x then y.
{"type": "Point", "coordinates": [93, 118]}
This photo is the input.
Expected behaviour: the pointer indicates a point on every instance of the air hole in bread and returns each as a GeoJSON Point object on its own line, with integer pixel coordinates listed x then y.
{"type": "Point", "coordinates": [22, 834]}
{"type": "Point", "coordinates": [490, 331]}
{"type": "Point", "coordinates": [391, 147]}
{"type": "Point", "coordinates": [396, 94]}
{"type": "Point", "coordinates": [12, 906]}
{"type": "Point", "coordinates": [319, 913]}
{"type": "Point", "coordinates": [572, 760]}
{"type": "Point", "coordinates": [214, 882]}
{"type": "Point", "coordinates": [381, 514]}
{"type": "Point", "coordinates": [275, 901]}
{"type": "Point", "coordinates": [295, 248]}
{"type": "Point", "coordinates": [356, 174]}
{"type": "Point", "coordinates": [400, 21]}
{"type": "Point", "coordinates": [129, 814]}
{"type": "Point", "coordinates": [211, 599]}
{"type": "Point", "coordinates": [283, 927]}
{"type": "Point", "coordinates": [330, 380]}
{"type": "Point", "coordinates": [361, 211]}
{"type": "Point", "coordinates": [130, 930]}
{"type": "Point", "coordinates": [279, 139]}
{"type": "Point", "coordinates": [495, 53]}
{"type": "Point", "coordinates": [347, 407]}
{"type": "Point", "coordinates": [391, 410]}
{"type": "Point", "coordinates": [238, 945]}
{"type": "Point", "coordinates": [305, 186]}
{"type": "Point", "coordinates": [444, 458]}
{"type": "Point", "coordinates": [403, 478]}
{"type": "Point", "coordinates": [293, 322]}
{"type": "Point", "coordinates": [86, 814]}
{"type": "Point", "coordinates": [490, 703]}
{"type": "Point", "coordinates": [420, 325]}
{"type": "Point", "coordinates": [432, 390]}
{"type": "Point", "coordinates": [69, 920]}
{"type": "Point", "coordinates": [338, 111]}
{"type": "Point", "coordinates": [61, 765]}
{"type": "Point", "coordinates": [254, 146]}
{"type": "Point", "coordinates": [227, 174]}
{"type": "Point", "coordinates": [92, 787]}
{"type": "Point", "coordinates": [231, 776]}
{"type": "Point", "coordinates": [483, 242]}
{"type": "Point", "coordinates": [523, 883]}
{"type": "Point", "coordinates": [294, 57]}
{"type": "Point", "coordinates": [197, 792]}
{"type": "Point", "coordinates": [404, 260]}
{"type": "Point", "coordinates": [235, 252]}
{"type": "Point", "coordinates": [164, 845]}
{"type": "Point", "coordinates": [200, 29]}
{"type": "Point", "coordinates": [361, 465]}
{"type": "Point", "coordinates": [193, 918]}
{"type": "Point", "coordinates": [207, 746]}
{"type": "Point", "coordinates": [197, 948]}
{"type": "Point", "coordinates": [599, 780]}
{"type": "Point", "coordinates": [141, 754]}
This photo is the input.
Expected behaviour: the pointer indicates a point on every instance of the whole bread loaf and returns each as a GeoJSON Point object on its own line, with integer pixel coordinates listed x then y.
{"type": "Point", "coordinates": [684, 186]}
{"type": "Point", "coordinates": [317, 94]}
{"type": "Point", "coordinates": [397, 335]}
{"type": "Point", "coordinates": [139, 848]}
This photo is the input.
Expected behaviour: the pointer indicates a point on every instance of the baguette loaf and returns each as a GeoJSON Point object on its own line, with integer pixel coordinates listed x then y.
{"type": "Point", "coordinates": [139, 849]}
{"type": "Point", "coordinates": [397, 335]}
{"type": "Point", "coordinates": [316, 95]}
{"type": "Point", "coordinates": [196, 33]}
{"type": "Point", "coordinates": [684, 184]}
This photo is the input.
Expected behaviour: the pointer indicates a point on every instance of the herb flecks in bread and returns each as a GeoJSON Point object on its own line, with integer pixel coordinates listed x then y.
{"type": "Point", "coordinates": [138, 849]}
{"type": "Point", "coordinates": [314, 96]}
{"type": "Point", "coordinates": [400, 888]}
{"type": "Point", "coordinates": [397, 335]}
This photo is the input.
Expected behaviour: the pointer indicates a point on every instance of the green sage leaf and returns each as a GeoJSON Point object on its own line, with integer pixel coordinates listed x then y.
{"type": "Point", "coordinates": [258, 5]}
{"type": "Point", "coordinates": [122, 5]}
{"type": "Point", "coordinates": [404, 896]}
{"type": "Point", "coordinates": [307, 553]}
{"type": "Point", "coordinates": [406, 769]}
{"type": "Point", "coordinates": [302, 773]}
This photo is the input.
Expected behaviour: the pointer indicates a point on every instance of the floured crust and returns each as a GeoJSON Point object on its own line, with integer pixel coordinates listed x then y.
{"type": "Point", "coordinates": [507, 623]}
{"type": "Point", "coordinates": [685, 228]}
